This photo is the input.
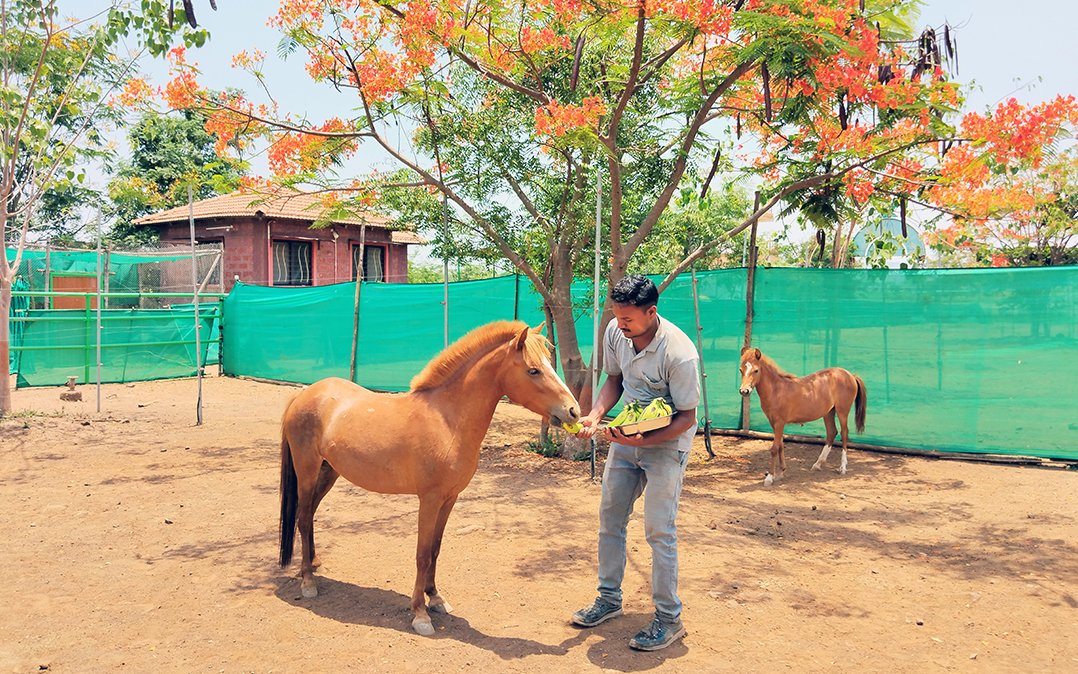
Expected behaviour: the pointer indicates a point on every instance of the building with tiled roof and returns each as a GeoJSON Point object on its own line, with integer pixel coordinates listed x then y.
{"type": "Point", "coordinates": [271, 241]}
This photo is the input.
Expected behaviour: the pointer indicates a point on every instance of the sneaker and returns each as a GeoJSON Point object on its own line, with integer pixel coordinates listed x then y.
{"type": "Point", "coordinates": [600, 611]}
{"type": "Point", "coordinates": [658, 635]}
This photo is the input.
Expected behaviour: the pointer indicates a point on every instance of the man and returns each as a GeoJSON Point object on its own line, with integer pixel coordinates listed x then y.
{"type": "Point", "coordinates": [645, 357]}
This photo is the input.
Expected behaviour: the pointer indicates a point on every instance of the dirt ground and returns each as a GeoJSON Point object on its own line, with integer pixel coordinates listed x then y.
{"type": "Point", "coordinates": [137, 541]}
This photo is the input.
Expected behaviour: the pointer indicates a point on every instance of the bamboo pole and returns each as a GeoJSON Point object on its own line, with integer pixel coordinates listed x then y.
{"type": "Point", "coordinates": [703, 372]}
{"type": "Point", "coordinates": [904, 451]}
{"type": "Point", "coordinates": [360, 269]}
{"type": "Point", "coordinates": [750, 291]}
{"type": "Point", "coordinates": [194, 285]}
{"type": "Point", "coordinates": [445, 267]}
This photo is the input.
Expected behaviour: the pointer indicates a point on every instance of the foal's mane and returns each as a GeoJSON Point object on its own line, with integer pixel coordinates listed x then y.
{"type": "Point", "coordinates": [766, 360]}
{"type": "Point", "coordinates": [483, 338]}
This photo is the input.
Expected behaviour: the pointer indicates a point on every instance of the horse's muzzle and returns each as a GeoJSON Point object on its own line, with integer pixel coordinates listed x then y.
{"type": "Point", "coordinates": [565, 416]}
{"type": "Point", "coordinates": [746, 391]}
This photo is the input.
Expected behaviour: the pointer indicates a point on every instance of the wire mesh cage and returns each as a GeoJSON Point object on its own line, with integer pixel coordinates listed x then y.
{"type": "Point", "coordinates": [148, 272]}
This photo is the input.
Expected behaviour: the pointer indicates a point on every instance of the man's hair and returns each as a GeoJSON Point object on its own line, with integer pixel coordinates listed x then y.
{"type": "Point", "coordinates": [636, 290]}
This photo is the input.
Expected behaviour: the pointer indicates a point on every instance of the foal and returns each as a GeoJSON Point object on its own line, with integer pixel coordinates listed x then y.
{"type": "Point", "coordinates": [787, 399]}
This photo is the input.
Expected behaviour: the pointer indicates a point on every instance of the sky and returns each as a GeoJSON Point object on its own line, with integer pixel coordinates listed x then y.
{"type": "Point", "coordinates": [1005, 49]}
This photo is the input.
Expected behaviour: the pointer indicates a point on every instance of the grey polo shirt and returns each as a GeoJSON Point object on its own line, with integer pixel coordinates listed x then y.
{"type": "Point", "coordinates": [668, 368]}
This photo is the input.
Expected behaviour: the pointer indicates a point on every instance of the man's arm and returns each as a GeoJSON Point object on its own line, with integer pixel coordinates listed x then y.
{"type": "Point", "coordinates": [682, 421]}
{"type": "Point", "coordinates": [609, 395]}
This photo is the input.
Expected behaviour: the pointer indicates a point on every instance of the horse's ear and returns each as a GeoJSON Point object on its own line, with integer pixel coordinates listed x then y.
{"type": "Point", "coordinates": [744, 349]}
{"type": "Point", "coordinates": [759, 355]}
{"type": "Point", "coordinates": [539, 328]}
{"type": "Point", "coordinates": [519, 341]}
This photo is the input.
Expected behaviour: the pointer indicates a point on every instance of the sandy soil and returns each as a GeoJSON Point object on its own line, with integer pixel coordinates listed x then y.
{"type": "Point", "coordinates": [136, 541]}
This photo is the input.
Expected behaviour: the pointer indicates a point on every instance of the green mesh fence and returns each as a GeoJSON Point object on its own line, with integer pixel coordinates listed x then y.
{"type": "Point", "coordinates": [979, 360]}
{"type": "Point", "coordinates": [305, 334]}
{"type": "Point", "coordinates": [136, 344]}
{"type": "Point", "coordinates": [18, 309]}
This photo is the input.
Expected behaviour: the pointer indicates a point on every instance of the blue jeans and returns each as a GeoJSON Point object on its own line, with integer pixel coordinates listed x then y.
{"type": "Point", "coordinates": [628, 471]}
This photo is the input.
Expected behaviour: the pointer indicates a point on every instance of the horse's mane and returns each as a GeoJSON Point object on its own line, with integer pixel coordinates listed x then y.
{"type": "Point", "coordinates": [442, 366]}
{"type": "Point", "coordinates": [766, 360]}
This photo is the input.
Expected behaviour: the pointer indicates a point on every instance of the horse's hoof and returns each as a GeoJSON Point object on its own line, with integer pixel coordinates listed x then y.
{"type": "Point", "coordinates": [423, 627]}
{"type": "Point", "coordinates": [308, 591]}
{"type": "Point", "coordinates": [815, 466]}
{"type": "Point", "coordinates": [442, 606]}
{"type": "Point", "coordinates": [769, 480]}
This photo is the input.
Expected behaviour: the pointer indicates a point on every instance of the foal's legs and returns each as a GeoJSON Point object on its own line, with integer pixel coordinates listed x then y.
{"type": "Point", "coordinates": [327, 476]}
{"type": "Point", "coordinates": [832, 431]}
{"type": "Point", "coordinates": [842, 416]}
{"type": "Point", "coordinates": [778, 460]}
{"type": "Point", "coordinates": [438, 604]}
{"type": "Point", "coordinates": [430, 507]}
{"type": "Point", "coordinates": [311, 488]}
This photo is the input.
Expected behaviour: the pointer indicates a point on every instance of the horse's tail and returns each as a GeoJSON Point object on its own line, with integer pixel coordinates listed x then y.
{"type": "Point", "coordinates": [861, 404]}
{"type": "Point", "coordinates": [289, 499]}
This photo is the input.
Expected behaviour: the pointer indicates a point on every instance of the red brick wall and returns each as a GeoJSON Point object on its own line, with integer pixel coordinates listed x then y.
{"type": "Point", "coordinates": [247, 249]}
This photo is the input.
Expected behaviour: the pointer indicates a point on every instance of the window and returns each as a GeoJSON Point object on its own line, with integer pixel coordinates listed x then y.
{"type": "Point", "coordinates": [291, 263]}
{"type": "Point", "coordinates": [374, 269]}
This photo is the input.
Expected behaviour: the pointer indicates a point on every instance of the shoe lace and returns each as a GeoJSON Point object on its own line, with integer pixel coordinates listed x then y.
{"type": "Point", "coordinates": [655, 629]}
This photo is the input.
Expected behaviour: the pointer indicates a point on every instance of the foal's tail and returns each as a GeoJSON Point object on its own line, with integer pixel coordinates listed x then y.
{"type": "Point", "coordinates": [861, 403]}
{"type": "Point", "coordinates": [289, 499]}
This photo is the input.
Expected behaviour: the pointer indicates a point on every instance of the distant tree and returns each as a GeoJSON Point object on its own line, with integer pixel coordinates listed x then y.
{"type": "Point", "coordinates": [1016, 205]}
{"type": "Point", "coordinates": [58, 83]}
{"type": "Point", "coordinates": [167, 154]}
{"type": "Point", "coordinates": [690, 220]}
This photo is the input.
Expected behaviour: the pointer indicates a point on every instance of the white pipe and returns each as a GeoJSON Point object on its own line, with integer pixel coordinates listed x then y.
{"type": "Point", "coordinates": [194, 284]}
{"type": "Point", "coordinates": [598, 342]}
{"type": "Point", "coordinates": [99, 310]}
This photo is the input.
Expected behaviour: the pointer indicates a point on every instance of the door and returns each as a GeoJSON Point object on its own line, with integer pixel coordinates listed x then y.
{"type": "Point", "coordinates": [72, 282]}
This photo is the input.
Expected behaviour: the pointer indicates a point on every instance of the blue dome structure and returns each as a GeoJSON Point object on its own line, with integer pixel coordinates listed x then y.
{"type": "Point", "coordinates": [910, 247]}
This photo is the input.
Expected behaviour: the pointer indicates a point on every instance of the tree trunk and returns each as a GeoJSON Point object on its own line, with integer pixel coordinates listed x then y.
{"type": "Point", "coordinates": [561, 290]}
{"type": "Point", "coordinates": [5, 348]}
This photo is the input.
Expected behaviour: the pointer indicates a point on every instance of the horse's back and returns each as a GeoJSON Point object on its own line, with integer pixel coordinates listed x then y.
{"type": "Point", "coordinates": [843, 386]}
{"type": "Point", "coordinates": [375, 440]}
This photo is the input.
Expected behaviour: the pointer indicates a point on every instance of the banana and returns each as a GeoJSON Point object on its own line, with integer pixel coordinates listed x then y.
{"type": "Point", "coordinates": [657, 408]}
{"type": "Point", "coordinates": [573, 428]}
{"type": "Point", "coordinates": [634, 412]}
{"type": "Point", "coordinates": [627, 416]}
{"type": "Point", "coordinates": [622, 418]}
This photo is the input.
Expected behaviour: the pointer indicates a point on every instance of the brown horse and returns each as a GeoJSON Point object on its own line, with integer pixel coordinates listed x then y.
{"type": "Point", "coordinates": [787, 399]}
{"type": "Point", "coordinates": [424, 442]}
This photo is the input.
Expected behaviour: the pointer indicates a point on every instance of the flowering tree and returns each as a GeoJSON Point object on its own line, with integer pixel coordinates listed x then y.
{"type": "Point", "coordinates": [58, 78]}
{"type": "Point", "coordinates": [517, 112]}
{"type": "Point", "coordinates": [1012, 190]}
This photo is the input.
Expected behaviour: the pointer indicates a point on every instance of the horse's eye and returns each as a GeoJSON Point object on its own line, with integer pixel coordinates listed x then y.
{"type": "Point", "coordinates": [534, 371]}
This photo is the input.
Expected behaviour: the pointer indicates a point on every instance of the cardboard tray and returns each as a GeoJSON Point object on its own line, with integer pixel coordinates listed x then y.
{"type": "Point", "coordinates": [644, 426]}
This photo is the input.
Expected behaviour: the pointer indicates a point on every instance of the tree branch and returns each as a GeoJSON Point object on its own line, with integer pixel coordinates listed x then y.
{"type": "Point", "coordinates": [681, 163]}
{"type": "Point", "coordinates": [630, 84]}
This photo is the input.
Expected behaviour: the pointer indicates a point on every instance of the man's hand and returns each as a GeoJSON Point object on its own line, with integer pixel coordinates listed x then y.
{"type": "Point", "coordinates": [589, 426]}
{"type": "Point", "coordinates": [614, 434]}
